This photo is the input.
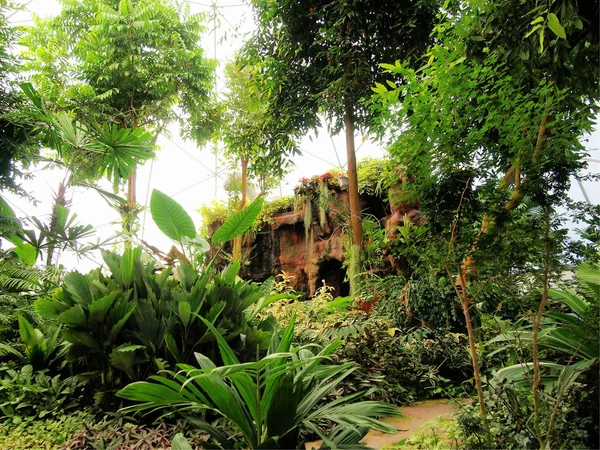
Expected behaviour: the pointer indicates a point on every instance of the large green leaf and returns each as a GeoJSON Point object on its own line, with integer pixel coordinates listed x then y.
{"type": "Point", "coordinates": [180, 443]}
{"type": "Point", "coordinates": [78, 286]}
{"type": "Point", "coordinates": [238, 223]}
{"type": "Point", "coordinates": [170, 217]}
{"type": "Point", "coordinates": [26, 252]}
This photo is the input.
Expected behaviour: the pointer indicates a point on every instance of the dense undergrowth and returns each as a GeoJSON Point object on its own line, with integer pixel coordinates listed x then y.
{"type": "Point", "coordinates": [469, 280]}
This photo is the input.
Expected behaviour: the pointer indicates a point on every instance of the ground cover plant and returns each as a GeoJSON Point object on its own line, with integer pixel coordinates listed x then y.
{"type": "Point", "coordinates": [476, 285]}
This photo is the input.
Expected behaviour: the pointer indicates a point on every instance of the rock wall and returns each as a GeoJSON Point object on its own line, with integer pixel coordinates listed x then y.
{"type": "Point", "coordinates": [313, 253]}
{"type": "Point", "coordinates": [308, 254]}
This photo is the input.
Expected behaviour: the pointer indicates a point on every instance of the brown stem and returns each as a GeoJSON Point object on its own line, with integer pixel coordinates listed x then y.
{"type": "Point", "coordinates": [537, 374]}
{"type": "Point", "coordinates": [461, 292]}
{"type": "Point", "coordinates": [357, 232]}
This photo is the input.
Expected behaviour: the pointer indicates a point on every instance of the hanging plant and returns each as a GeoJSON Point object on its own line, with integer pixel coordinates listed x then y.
{"type": "Point", "coordinates": [323, 202]}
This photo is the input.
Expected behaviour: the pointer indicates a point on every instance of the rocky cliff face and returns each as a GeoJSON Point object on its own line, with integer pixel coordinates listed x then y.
{"type": "Point", "coordinates": [314, 252]}
{"type": "Point", "coordinates": [310, 253]}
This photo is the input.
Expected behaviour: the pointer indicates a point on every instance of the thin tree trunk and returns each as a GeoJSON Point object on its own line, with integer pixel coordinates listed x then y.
{"type": "Point", "coordinates": [537, 372]}
{"type": "Point", "coordinates": [461, 291]}
{"type": "Point", "coordinates": [62, 201]}
{"type": "Point", "coordinates": [131, 181]}
{"type": "Point", "coordinates": [357, 232]}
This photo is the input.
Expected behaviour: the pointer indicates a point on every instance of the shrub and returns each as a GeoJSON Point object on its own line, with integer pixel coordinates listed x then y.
{"type": "Point", "coordinates": [418, 364]}
{"type": "Point", "coordinates": [269, 401]}
{"type": "Point", "coordinates": [34, 394]}
{"type": "Point", "coordinates": [48, 434]}
{"type": "Point", "coordinates": [509, 425]}
{"type": "Point", "coordinates": [134, 322]}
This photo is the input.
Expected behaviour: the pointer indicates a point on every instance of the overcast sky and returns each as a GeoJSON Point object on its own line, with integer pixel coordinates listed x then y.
{"type": "Point", "coordinates": [186, 172]}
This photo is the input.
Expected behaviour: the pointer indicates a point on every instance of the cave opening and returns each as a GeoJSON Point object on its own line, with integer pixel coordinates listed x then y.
{"type": "Point", "coordinates": [333, 273]}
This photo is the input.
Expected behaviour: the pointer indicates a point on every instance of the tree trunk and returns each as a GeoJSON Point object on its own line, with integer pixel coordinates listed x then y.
{"type": "Point", "coordinates": [461, 290]}
{"type": "Point", "coordinates": [62, 201]}
{"type": "Point", "coordinates": [131, 181]}
{"type": "Point", "coordinates": [357, 232]}
{"type": "Point", "coordinates": [237, 242]}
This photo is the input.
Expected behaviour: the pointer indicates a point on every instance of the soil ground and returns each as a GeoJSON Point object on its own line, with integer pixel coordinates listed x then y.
{"type": "Point", "coordinates": [413, 418]}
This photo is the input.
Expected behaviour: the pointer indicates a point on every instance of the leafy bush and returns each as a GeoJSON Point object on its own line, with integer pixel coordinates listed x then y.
{"type": "Point", "coordinates": [313, 316]}
{"type": "Point", "coordinates": [569, 342]}
{"type": "Point", "coordinates": [373, 175]}
{"type": "Point", "coordinates": [34, 394]}
{"type": "Point", "coordinates": [269, 401]}
{"type": "Point", "coordinates": [418, 364]}
{"type": "Point", "coordinates": [428, 301]}
{"type": "Point", "coordinates": [508, 421]}
{"type": "Point", "coordinates": [134, 322]}
{"type": "Point", "coordinates": [48, 434]}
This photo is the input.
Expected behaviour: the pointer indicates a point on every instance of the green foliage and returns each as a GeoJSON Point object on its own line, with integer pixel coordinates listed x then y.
{"type": "Point", "coordinates": [272, 208]}
{"type": "Point", "coordinates": [311, 317]}
{"type": "Point", "coordinates": [239, 223]}
{"type": "Point", "coordinates": [416, 364]}
{"type": "Point", "coordinates": [256, 142]}
{"type": "Point", "coordinates": [572, 338]}
{"type": "Point", "coordinates": [373, 176]}
{"type": "Point", "coordinates": [508, 422]}
{"type": "Point", "coordinates": [15, 129]}
{"type": "Point", "coordinates": [269, 400]}
{"type": "Point", "coordinates": [28, 393]}
{"type": "Point", "coordinates": [170, 217]}
{"type": "Point", "coordinates": [334, 51]}
{"type": "Point", "coordinates": [111, 434]}
{"type": "Point", "coordinates": [568, 342]}
{"type": "Point", "coordinates": [129, 61]}
{"type": "Point", "coordinates": [46, 434]}
{"type": "Point", "coordinates": [428, 300]}
{"type": "Point", "coordinates": [217, 212]}
{"type": "Point", "coordinates": [134, 322]}
{"type": "Point", "coordinates": [437, 434]}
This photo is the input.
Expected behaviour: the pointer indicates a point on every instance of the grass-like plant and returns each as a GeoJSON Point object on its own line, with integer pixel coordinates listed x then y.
{"type": "Point", "coordinates": [269, 401]}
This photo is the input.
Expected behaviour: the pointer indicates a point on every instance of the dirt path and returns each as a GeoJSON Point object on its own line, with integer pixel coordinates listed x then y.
{"type": "Point", "coordinates": [413, 418]}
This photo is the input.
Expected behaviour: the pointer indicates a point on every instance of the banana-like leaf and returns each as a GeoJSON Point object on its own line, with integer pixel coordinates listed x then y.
{"type": "Point", "coordinates": [239, 223]}
{"type": "Point", "coordinates": [170, 217]}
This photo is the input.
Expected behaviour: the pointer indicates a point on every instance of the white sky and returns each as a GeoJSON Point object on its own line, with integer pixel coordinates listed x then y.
{"type": "Point", "coordinates": [185, 172]}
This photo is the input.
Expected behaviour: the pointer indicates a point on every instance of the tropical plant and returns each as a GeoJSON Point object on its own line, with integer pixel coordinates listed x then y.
{"type": "Point", "coordinates": [570, 339]}
{"type": "Point", "coordinates": [269, 400]}
{"type": "Point", "coordinates": [334, 51]}
{"type": "Point", "coordinates": [39, 350]}
{"type": "Point", "coordinates": [48, 433]}
{"type": "Point", "coordinates": [112, 434]}
{"type": "Point", "coordinates": [134, 321]}
{"type": "Point", "coordinates": [25, 392]}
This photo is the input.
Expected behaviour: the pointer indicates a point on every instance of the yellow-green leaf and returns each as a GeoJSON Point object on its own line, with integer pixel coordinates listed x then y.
{"type": "Point", "coordinates": [555, 26]}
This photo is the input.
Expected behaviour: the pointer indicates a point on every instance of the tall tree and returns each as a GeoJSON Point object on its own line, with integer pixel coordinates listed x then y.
{"type": "Point", "coordinates": [124, 61]}
{"type": "Point", "coordinates": [251, 137]}
{"type": "Point", "coordinates": [15, 129]}
{"type": "Point", "coordinates": [323, 57]}
{"type": "Point", "coordinates": [496, 115]}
